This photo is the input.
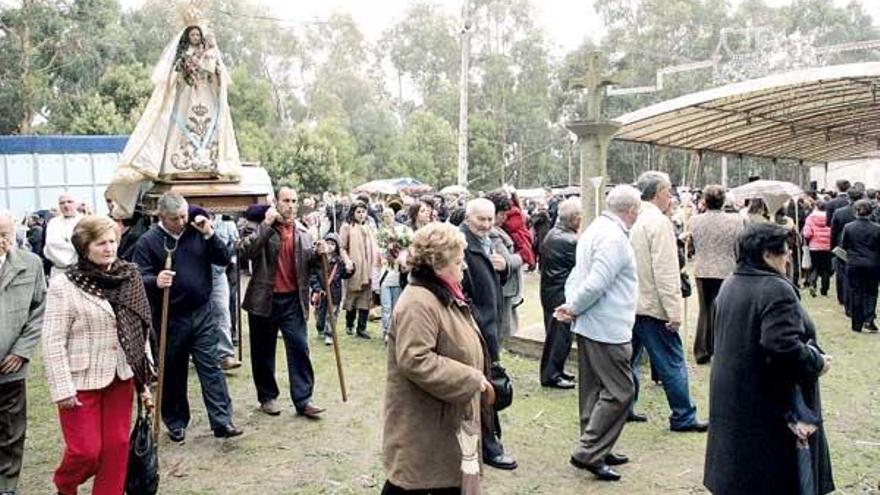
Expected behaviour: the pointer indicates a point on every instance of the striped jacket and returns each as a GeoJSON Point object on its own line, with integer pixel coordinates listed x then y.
{"type": "Point", "coordinates": [80, 346]}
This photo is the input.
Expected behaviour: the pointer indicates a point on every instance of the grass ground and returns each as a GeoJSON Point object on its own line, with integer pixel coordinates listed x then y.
{"type": "Point", "coordinates": [341, 454]}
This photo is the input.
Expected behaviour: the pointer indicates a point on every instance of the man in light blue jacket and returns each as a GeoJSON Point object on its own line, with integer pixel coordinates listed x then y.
{"type": "Point", "coordinates": [601, 295]}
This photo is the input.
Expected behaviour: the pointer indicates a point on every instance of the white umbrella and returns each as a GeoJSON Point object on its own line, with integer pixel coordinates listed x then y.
{"type": "Point", "coordinates": [774, 192]}
{"type": "Point", "coordinates": [454, 189]}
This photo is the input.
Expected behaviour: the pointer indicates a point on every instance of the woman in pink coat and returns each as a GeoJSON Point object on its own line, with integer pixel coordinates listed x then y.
{"type": "Point", "coordinates": [818, 236]}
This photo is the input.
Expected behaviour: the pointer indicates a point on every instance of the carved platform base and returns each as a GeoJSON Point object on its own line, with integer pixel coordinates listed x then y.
{"type": "Point", "coordinates": [216, 196]}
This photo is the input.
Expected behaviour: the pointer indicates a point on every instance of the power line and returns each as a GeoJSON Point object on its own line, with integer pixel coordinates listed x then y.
{"type": "Point", "coordinates": [279, 19]}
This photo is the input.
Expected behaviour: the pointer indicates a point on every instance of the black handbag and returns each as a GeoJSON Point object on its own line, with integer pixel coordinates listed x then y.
{"type": "Point", "coordinates": [502, 385]}
{"type": "Point", "coordinates": [686, 287]}
{"type": "Point", "coordinates": [143, 459]}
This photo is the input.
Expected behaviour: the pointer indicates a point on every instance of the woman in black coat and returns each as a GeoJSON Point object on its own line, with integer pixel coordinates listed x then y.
{"type": "Point", "coordinates": [861, 240]}
{"type": "Point", "coordinates": [764, 350]}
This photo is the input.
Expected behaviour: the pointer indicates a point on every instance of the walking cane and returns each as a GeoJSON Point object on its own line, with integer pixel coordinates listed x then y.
{"type": "Point", "coordinates": [331, 315]}
{"type": "Point", "coordinates": [238, 326]}
{"type": "Point", "coordinates": [684, 320]}
{"type": "Point", "coordinates": [163, 338]}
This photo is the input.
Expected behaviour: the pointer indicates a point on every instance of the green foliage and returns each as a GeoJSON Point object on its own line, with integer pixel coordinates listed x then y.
{"type": "Point", "coordinates": [429, 150]}
{"type": "Point", "coordinates": [96, 114]}
{"type": "Point", "coordinates": [312, 159]}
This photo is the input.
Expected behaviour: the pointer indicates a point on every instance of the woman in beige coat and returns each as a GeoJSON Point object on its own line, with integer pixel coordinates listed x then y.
{"type": "Point", "coordinates": [436, 374]}
{"type": "Point", "coordinates": [95, 350]}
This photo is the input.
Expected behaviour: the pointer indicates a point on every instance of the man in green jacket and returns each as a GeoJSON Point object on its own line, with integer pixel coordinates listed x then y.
{"type": "Point", "coordinates": [22, 302]}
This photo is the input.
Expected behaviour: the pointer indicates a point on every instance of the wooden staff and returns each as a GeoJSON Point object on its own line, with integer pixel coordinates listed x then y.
{"type": "Point", "coordinates": [331, 317]}
{"type": "Point", "coordinates": [239, 329]}
{"type": "Point", "coordinates": [163, 338]}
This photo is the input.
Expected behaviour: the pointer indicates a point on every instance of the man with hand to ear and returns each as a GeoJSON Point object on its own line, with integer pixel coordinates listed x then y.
{"type": "Point", "coordinates": [283, 257]}
{"type": "Point", "coordinates": [192, 326]}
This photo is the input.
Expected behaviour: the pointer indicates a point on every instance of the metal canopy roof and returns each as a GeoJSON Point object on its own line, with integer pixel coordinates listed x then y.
{"type": "Point", "coordinates": [814, 115]}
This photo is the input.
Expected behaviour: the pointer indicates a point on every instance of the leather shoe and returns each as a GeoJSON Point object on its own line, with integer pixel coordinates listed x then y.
{"type": "Point", "coordinates": [871, 326]}
{"type": "Point", "coordinates": [560, 383]}
{"type": "Point", "coordinates": [568, 376]}
{"type": "Point", "coordinates": [364, 335]}
{"type": "Point", "coordinates": [230, 363]}
{"type": "Point", "coordinates": [602, 471]}
{"type": "Point", "coordinates": [636, 418]}
{"type": "Point", "coordinates": [270, 407]}
{"type": "Point", "coordinates": [613, 459]}
{"type": "Point", "coordinates": [227, 431]}
{"type": "Point", "coordinates": [696, 426]}
{"type": "Point", "coordinates": [177, 435]}
{"type": "Point", "coordinates": [311, 411]}
{"type": "Point", "coordinates": [502, 461]}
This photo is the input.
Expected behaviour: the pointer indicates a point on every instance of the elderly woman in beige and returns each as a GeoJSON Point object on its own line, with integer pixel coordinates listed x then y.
{"type": "Point", "coordinates": [436, 374]}
{"type": "Point", "coordinates": [714, 235]}
{"type": "Point", "coordinates": [95, 334]}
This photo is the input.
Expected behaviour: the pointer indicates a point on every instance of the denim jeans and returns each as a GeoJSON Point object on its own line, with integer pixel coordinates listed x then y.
{"type": "Point", "coordinates": [667, 355]}
{"type": "Point", "coordinates": [388, 296]}
{"type": "Point", "coordinates": [220, 308]}
{"type": "Point", "coordinates": [323, 321]}
{"type": "Point", "coordinates": [193, 333]}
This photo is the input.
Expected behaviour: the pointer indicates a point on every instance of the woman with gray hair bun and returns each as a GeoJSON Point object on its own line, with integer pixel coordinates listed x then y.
{"type": "Point", "coordinates": [861, 240]}
{"type": "Point", "coordinates": [714, 235]}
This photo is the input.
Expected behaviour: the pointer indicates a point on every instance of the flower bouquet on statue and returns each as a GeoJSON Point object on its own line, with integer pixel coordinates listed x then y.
{"type": "Point", "coordinates": [392, 240]}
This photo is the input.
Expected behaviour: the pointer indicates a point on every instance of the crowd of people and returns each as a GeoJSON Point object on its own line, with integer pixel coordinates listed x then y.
{"type": "Point", "coordinates": [447, 274]}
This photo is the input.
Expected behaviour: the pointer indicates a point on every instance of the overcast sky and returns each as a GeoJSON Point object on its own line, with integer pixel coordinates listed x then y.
{"type": "Point", "coordinates": [566, 21]}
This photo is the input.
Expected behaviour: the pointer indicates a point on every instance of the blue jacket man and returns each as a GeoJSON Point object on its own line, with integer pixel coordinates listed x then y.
{"type": "Point", "coordinates": [192, 327]}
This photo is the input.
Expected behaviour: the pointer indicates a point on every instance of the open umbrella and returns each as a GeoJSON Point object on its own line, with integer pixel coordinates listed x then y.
{"type": "Point", "coordinates": [774, 193]}
{"type": "Point", "coordinates": [393, 186]}
{"type": "Point", "coordinates": [454, 189]}
{"type": "Point", "coordinates": [383, 186]}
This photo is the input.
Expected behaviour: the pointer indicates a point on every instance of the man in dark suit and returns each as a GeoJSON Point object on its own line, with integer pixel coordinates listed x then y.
{"type": "Point", "coordinates": [487, 271]}
{"type": "Point", "coordinates": [558, 252]}
{"type": "Point", "coordinates": [861, 240]}
{"type": "Point", "coordinates": [842, 216]}
{"type": "Point", "coordinates": [840, 201]}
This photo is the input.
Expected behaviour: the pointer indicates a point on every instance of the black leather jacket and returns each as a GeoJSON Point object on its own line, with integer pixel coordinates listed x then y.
{"type": "Point", "coordinates": [558, 252]}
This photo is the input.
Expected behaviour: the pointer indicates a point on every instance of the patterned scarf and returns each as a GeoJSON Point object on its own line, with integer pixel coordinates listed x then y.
{"type": "Point", "coordinates": [122, 287]}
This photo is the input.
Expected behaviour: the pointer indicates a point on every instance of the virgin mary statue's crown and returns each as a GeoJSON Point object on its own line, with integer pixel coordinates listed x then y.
{"type": "Point", "coordinates": [192, 12]}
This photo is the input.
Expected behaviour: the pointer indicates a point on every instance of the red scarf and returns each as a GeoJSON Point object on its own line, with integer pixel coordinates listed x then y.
{"type": "Point", "coordinates": [454, 287]}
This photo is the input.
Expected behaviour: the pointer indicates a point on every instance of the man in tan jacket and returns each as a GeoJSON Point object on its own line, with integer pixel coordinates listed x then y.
{"type": "Point", "coordinates": [659, 314]}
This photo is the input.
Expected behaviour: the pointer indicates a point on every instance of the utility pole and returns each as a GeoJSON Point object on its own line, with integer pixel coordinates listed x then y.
{"type": "Point", "coordinates": [463, 94]}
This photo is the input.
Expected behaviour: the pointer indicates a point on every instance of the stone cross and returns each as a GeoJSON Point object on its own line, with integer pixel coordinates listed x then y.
{"type": "Point", "coordinates": [595, 84]}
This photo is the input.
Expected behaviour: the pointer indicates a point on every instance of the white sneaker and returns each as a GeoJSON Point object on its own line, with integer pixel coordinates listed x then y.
{"type": "Point", "coordinates": [328, 340]}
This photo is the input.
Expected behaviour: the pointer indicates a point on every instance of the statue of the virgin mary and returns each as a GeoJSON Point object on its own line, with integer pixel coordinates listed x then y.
{"type": "Point", "coordinates": [186, 129]}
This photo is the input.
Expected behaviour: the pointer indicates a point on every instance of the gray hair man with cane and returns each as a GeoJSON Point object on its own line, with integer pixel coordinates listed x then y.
{"type": "Point", "coordinates": [189, 322]}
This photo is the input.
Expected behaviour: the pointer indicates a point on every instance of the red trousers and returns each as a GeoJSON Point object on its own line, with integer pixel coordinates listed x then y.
{"type": "Point", "coordinates": [96, 440]}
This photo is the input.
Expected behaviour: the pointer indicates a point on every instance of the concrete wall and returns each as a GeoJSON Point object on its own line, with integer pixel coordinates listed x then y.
{"type": "Point", "coordinates": [865, 170]}
{"type": "Point", "coordinates": [35, 170]}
